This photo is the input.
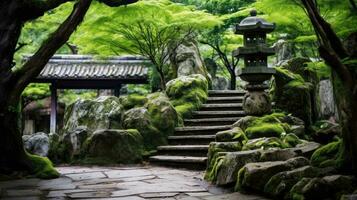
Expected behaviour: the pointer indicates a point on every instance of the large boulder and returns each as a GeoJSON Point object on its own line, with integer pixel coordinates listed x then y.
{"type": "Point", "coordinates": [254, 176]}
{"type": "Point", "coordinates": [231, 163]}
{"type": "Point", "coordinates": [328, 187]}
{"type": "Point", "coordinates": [292, 94]}
{"type": "Point", "coordinates": [71, 143]}
{"type": "Point", "coordinates": [234, 134]}
{"type": "Point", "coordinates": [280, 184]}
{"type": "Point", "coordinates": [140, 119]}
{"type": "Point", "coordinates": [325, 131]}
{"type": "Point", "coordinates": [102, 113]}
{"type": "Point", "coordinates": [187, 93]}
{"type": "Point", "coordinates": [330, 154]}
{"type": "Point", "coordinates": [37, 143]}
{"type": "Point", "coordinates": [187, 60]}
{"type": "Point", "coordinates": [113, 146]}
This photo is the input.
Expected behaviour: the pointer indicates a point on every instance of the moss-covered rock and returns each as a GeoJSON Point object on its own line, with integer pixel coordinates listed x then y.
{"type": "Point", "coordinates": [140, 119]}
{"type": "Point", "coordinates": [113, 146]}
{"type": "Point", "coordinates": [291, 139]}
{"type": "Point", "coordinates": [254, 176]}
{"type": "Point", "coordinates": [264, 143]}
{"type": "Point", "coordinates": [162, 113]}
{"type": "Point", "coordinates": [132, 100]}
{"type": "Point", "coordinates": [216, 152]}
{"type": "Point", "coordinates": [187, 93]}
{"type": "Point", "coordinates": [42, 167]}
{"type": "Point", "coordinates": [324, 131]}
{"type": "Point", "coordinates": [292, 94]}
{"type": "Point", "coordinates": [328, 155]}
{"type": "Point", "coordinates": [226, 172]}
{"type": "Point", "coordinates": [234, 134]}
{"type": "Point", "coordinates": [102, 113]}
{"type": "Point", "coordinates": [280, 184]}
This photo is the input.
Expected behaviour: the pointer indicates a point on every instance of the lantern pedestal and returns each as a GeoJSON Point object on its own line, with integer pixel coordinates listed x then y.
{"type": "Point", "coordinates": [256, 101]}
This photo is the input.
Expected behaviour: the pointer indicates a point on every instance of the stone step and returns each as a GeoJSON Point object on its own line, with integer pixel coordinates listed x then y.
{"type": "Point", "coordinates": [220, 93]}
{"type": "Point", "coordinates": [217, 114]}
{"type": "Point", "coordinates": [190, 162]}
{"type": "Point", "coordinates": [191, 139]}
{"type": "Point", "coordinates": [211, 121]}
{"type": "Point", "coordinates": [221, 107]}
{"type": "Point", "coordinates": [233, 99]}
{"type": "Point", "coordinates": [183, 150]}
{"type": "Point", "coordinates": [200, 130]}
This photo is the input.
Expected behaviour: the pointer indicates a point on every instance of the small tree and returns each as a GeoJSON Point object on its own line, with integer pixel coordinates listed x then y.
{"type": "Point", "coordinates": [152, 41]}
{"type": "Point", "coordinates": [151, 28]}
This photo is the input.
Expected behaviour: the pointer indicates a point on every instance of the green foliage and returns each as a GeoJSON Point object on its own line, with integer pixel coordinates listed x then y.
{"type": "Point", "coordinates": [70, 96]}
{"type": "Point", "coordinates": [35, 91]}
{"type": "Point", "coordinates": [43, 167]}
{"type": "Point", "coordinates": [322, 70]}
{"type": "Point", "coordinates": [132, 101]}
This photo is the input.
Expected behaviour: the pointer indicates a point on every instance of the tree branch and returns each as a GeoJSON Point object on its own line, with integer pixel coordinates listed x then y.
{"type": "Point", "coordinates": [36, 63]}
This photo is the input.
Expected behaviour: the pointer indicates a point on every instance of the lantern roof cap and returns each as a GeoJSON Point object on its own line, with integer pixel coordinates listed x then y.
{"type": "Point", "coordinates": [254, 24]}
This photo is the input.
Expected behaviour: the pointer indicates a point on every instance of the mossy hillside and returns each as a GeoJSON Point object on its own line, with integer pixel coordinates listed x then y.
{"type": "Point", "coordinates": [187, 93]}
{"type": "Point", "coordinates": [42, 167]}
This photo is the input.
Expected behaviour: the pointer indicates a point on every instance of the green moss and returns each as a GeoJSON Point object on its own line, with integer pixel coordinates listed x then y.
{"type": "Point", "coordinates": [329, 155]}
{"type": "Point", "coordinates": [240, 179]}
{"type": "Point", "coordinates": [43, 167]}
{"type": "Point", "coordinates": [211, 174]}
{"type": "Point", "coordinates": [264, 130]}
{"type": "Point", "coordinates": [264, 143]}
{"type": "Point", "coordinates": [291, 139]}
{"type": "Point", "coordinates": [133, 100]}
{"type": "Point", "coordinates": [187, 93]}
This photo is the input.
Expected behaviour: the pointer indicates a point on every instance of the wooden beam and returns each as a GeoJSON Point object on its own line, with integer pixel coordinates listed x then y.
{"type": "Point", "coordinates": [117, 90]}
{"type": "Point", "coordinates": [53, 117]}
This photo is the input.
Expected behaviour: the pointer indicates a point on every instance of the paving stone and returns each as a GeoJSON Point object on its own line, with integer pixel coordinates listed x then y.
{"type": "Point", "coordinates": [62, 183]}
{"type": "Point", "coordinates": [89, 195]}
{"type": "Point", "coordinates": [63, 193]}
{"type": "Point", "coordinates": [198, 194]}
{"type": "Point", "coordinates": [21, 192]}
{"type": "Point", "coordinates": [87, 175]}
{"type": "Point", "coordinates": [21, 198]}
{"type": "Point", "coordinates": [128, 173]}
{"type": "Point", "coordinates": [158, 195]}
{"type": "Point", "coordinates": [21, 183]}
{"type": "Point", "coordinates": [79, 169]}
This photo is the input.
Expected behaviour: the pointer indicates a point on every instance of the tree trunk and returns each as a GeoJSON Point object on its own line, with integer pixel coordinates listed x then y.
{"type": "Point", "coordinates": [13, 157]}
{"type": "Point", "coordinates": [233, 81]}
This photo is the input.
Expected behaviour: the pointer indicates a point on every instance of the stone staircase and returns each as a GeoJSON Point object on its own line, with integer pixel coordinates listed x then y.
{"type": "Point", "coordinates": [188, 147]}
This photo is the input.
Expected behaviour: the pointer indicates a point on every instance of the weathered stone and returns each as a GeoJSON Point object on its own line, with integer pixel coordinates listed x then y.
{"type": "Point", "coordinates": [72, 141]}
{"type": "Point", "coordinates": [187, 60]}
{"type": "Point", "coordinates": [277, 155]}
{"type": "Point", "coordinates": [264, 143]}
{"type": "Point", "coordinates": [283, 51]}
{"type": "Point", "coordinates": [256, 103]}
{"type": "Point", "coordinates": [139, 118]}
{"type": "Point", "coordinates": [220, 83]}
{"type": "Point", "coordinates": [114, 146]}
{"type": "Point", "coordinates": [324, 131]}
{"type": "Point", "coordinates": [187, 93]}
{"type": "Point", "coordinates": [280, 184]}
{"type": "Point", "coordinates": [234, 134]}
{"type": "Point", "coordinates": [244, 122]}
{"type": "Point", "coordinates": [340, 184]}
{"type": "Point", "coordinates": [307, 148]}
{"type": "Point", "coordinates": [310, 188]}
{"type": "Point", "coordinates": [292, 94]}
{"type": "Point", "coordinates": [254, 176]}
{"type": "Point", "coordinates": [37, 143]}
{"type": "Point", "coordinates": [104, 112]}
{"type": "Point", "coordinates": [232, 162]}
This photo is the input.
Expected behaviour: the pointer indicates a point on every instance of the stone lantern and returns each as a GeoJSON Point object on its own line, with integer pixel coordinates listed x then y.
{"type": "Point", "coordinates": [255, 53]}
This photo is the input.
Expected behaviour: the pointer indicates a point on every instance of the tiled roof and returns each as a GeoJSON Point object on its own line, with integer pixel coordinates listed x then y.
{"type": "Point", "coordinates": [74, 67]}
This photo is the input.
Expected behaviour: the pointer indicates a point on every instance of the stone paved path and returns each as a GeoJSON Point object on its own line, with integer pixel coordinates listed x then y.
{"type": "Point", "coordinates": [119, 183]}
